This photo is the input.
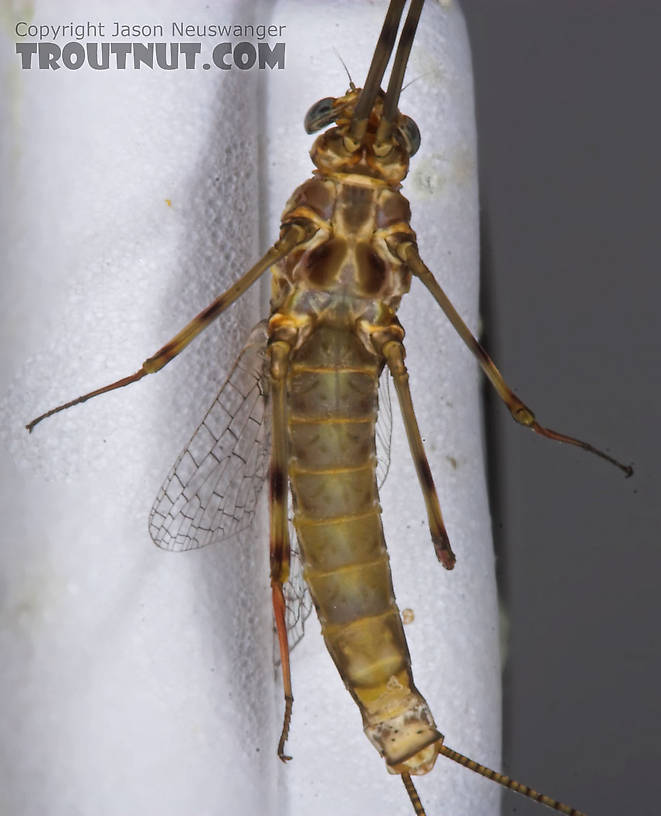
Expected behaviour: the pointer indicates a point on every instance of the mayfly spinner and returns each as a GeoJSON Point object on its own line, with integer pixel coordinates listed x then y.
{"type": "Point", "coordinates": [345, 257]}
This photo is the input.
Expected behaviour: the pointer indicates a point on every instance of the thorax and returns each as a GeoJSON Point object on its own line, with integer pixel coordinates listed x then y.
{"type": "Point", "coordinates": [346, 272]}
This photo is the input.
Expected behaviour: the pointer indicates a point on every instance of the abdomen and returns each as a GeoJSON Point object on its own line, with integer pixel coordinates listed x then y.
{"type": "Point", "coordinates": [332, 413]}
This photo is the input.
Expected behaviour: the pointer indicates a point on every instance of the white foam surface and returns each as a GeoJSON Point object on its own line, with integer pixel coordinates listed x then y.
{"type": "Point", "coordinates": [140, 682]}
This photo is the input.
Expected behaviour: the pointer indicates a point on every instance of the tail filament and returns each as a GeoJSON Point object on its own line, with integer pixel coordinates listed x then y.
{"type": "Point", "coordinates": [507, 782]}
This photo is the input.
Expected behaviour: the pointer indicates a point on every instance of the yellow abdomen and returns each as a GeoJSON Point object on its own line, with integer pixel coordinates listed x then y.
{"type": "Point", "coordinates": [332, 413]}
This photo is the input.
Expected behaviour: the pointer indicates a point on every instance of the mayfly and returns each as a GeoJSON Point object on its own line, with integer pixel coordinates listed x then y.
{"type": "Point", "coordinates": [344, 259]}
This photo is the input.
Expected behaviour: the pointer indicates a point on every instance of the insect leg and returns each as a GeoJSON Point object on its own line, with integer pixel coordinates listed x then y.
{"type": "Point", "coordinates": [408, 252]}
{"type": "Point", "coordinates": [293, 234]}
{"type": "Point", "coordinates": [279, 532]}
{"type": "Point", "coordinates": [393, 351]}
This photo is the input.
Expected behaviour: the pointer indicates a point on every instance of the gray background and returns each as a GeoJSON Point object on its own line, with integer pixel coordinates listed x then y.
{"type": "Point", "coordinates": [568, 117]}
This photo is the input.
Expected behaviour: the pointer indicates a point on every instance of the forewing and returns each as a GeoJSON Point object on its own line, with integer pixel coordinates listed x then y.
{"type": "Point", "coordinates": [212, 490]}
{"type": "Point", "coordinates": [383, 431]}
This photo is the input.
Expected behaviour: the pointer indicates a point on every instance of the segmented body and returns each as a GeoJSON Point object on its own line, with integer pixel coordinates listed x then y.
{"type": "Point", "coordinates": [337, 292]}
{"type": "Point", "coordinates": [343, 261]}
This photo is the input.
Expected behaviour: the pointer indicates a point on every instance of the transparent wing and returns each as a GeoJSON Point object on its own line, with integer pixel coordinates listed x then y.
{"type": "Point", "coordinates": [298, 601]}
{"type": "Point", "coordinates": [212, 490]}
{"type": "Point", "coordinates": [383, 430]}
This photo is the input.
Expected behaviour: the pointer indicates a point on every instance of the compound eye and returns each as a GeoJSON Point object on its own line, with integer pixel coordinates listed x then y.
{"type": "Point", "coordinates": [410, 134]}
{"type": "Point", "coordinates": [320, 115]}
